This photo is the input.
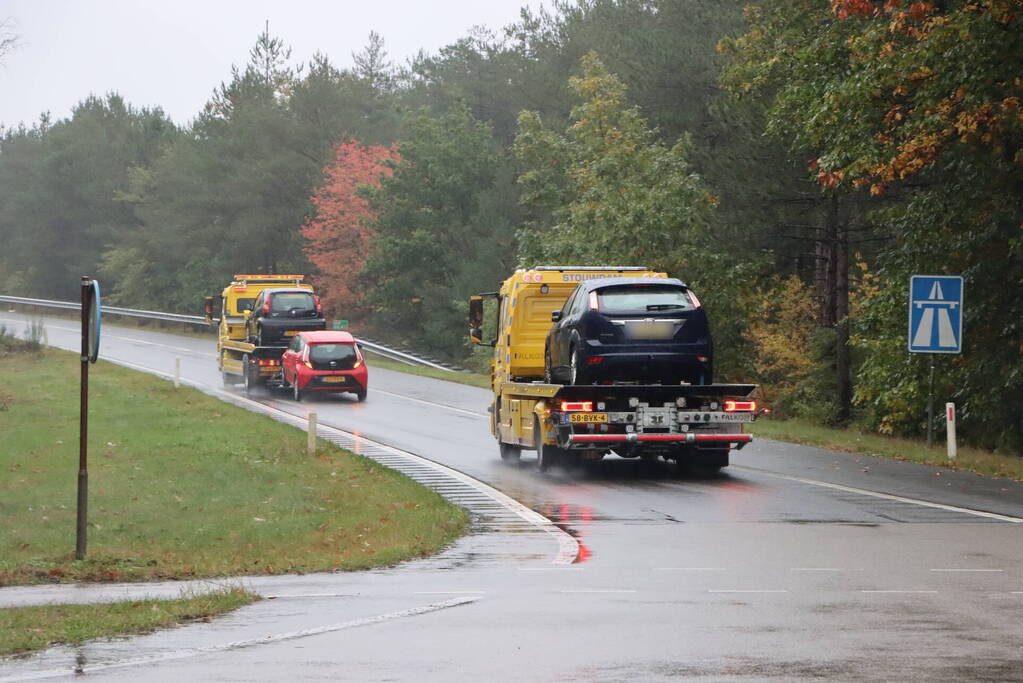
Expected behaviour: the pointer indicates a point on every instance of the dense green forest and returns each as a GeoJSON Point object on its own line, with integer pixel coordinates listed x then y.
{"type": "Point", "coordinates": [795, 161]}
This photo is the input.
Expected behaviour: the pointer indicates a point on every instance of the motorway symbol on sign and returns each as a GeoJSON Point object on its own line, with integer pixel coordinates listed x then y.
{"type": "Point", "coordinates": [936, 314]}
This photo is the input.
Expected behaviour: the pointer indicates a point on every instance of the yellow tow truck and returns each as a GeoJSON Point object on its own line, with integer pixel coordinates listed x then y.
{"type": "Point", "coordinates": [238, 358]}
{"type": "Point", "coordinates": [695, 425]}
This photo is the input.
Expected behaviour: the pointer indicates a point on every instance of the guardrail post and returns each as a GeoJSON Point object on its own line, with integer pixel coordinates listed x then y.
{"type": "Point", "coordinates": [312, 433]}
{"type": "Point", "coordinates": [177, 373]}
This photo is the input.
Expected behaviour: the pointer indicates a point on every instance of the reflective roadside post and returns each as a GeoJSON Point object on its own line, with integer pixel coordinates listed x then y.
{"type": "Point", "coordinates": [90, 352]}
{"type": "Point", "coordinates": [950, 427]}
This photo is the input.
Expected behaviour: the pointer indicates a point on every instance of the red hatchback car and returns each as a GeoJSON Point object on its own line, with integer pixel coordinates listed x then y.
{"type": "Point", "coordinates": [324, 361]}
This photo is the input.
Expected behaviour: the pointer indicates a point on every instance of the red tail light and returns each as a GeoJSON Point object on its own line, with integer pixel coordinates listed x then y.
{"type": "Point", "coordinates": [702, 359]}
{"type": "Point", "coordinates": [692, 297]}
{"type": "Point", "coordinates": [319, 306]}
{"type": "Point", "coordinates": [740, 406]}
{"type": "Point", "coordinates": [594, 360]}
{"type": "Point", "coordinates": [266, 305]}
{"type": "Point", "coordinates": [268, 362]}
{"type": "Point", "coordinates": [594, 305]}
{"type": "Point", "coordinates": [580, 406]}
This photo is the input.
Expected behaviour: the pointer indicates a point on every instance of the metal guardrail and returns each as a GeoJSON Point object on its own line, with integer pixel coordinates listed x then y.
{"type": "Point", "coordinates": [386, 351]}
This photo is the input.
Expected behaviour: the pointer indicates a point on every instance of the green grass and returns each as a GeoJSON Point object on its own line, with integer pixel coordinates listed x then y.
{"type": "Point", "coordinates": [470, 378]}
{"type": "Point", "coordinates": [23, 629]}
{"type": "Point", "coordinates": [183, 485]}
{"type": "Point", "coordinates": [859, 441]}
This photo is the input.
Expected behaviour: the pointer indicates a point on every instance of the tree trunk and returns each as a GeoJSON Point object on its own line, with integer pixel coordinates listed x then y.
{"type": "Point", "coordinates": [842, 359]}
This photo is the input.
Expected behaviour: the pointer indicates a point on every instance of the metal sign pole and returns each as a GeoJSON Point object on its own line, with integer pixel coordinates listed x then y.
{"type": "Point", "coordinates": [83, 426]}
{"type": "Point", "coordinates": [930, 406]}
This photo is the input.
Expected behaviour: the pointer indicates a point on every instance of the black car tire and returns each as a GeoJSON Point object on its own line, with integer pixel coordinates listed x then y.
{"type": "Point", "coordinates": [361, 394]}
{"type": "Point", "coordinates": [577, 373]}
{"type": "Point", "coordinates": [548, 369]}
{"type": "Point", "coordinates": [296, 393]}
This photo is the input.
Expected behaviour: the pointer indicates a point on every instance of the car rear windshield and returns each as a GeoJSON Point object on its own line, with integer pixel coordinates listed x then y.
{"type": "Point", "coordinates": [627, 299]}
{"type": "Point", "coordinates": [286, 301]}
{"type": "Point", "coordinates": [324, 353]}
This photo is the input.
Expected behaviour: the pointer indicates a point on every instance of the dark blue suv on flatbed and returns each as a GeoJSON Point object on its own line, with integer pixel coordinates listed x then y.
{"type": "Point", "coordinates": [630, 329]}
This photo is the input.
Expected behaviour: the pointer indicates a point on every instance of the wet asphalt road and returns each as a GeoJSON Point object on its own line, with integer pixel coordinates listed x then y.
{"type": "Point", "coordinates": [796, 563]}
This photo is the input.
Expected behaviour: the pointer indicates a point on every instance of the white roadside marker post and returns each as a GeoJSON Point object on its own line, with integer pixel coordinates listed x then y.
{"type": "Point", "coordinates": [177, 373]}
{"type": "Point", "coordinates": [312, 433]}
{"type": "Point", "coordinates": [950, 428]}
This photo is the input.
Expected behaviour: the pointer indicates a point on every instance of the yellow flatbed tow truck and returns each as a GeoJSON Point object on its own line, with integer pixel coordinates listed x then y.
{"type": "Point", "coordinates": [239, 360]}
{"type": "Point", "coordinates": [695, 425]}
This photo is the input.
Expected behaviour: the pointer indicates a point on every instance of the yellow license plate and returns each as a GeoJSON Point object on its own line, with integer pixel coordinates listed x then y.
{"type": "Point", "coordinates": [290, 333]}
{"type": "Point", "coordinates": [577, 418]}
{"type": "Point", "coordinates": [335, 380]}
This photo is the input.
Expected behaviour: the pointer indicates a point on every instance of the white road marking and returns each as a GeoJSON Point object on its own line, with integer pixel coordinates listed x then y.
{"type": "Point", "coordinates": [600, 591]}
{"type": "Point", "coordinates": [311, 595]}
{"type": "Point", "coordinates": [432, 403]}
{"type": "Point", "coordinates": [817, 569]}
{"type": "Point", "coordinates": [221, 647]}
{"type": "Point", "coordinates": [886, 496]}
{"type": "Point", "coordinates": [968, 570]}
{"type": "Point", "coordinates": [895, 591]}
{"type": "Point", "coordinates": [550, 569]}
{"type": "Point", "coordinates": [733, 590]}
{"type": "Point", "coordinates": [447, 592]}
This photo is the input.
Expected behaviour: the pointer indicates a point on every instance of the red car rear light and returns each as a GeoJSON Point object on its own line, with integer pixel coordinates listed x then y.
{"type": "Point", "coordinates": [692, 297]}
{"type": "Point", "coordinates": [358, 363]}
{"type": "Point", "coordinates": [266, 305]}
{"type": "Point", "coordinates": [268, 362]}
{"type": "Point", "coordinates": [594, 304]}
{"type": "Point", "coordinates": [740, 406]}
{"type": "Point", "coordinates": [580, 406]}
{"type": "Point", "coordinates": [318, 304]}
{"type": "Point", "coordinates": [594, 360]}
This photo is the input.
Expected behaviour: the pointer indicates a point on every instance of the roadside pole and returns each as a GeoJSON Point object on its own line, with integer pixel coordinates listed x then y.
{"type": "Point", "coordinates": [950, 429]}
{"type": "Point", "coordinates": [91, 317]}
{"type": "Point", "coordinates": [311, 447]}
{"type": "Point", "coordinates": [930, 406]}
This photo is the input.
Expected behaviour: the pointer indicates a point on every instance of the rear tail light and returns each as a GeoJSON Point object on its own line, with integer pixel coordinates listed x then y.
{"type": "Point", "coordinates": [358, 364]}
{"type": "Point", "coordinates": [692, 297]}
{"type": "Point", "coordinates": [702, 359]}
{"type": "Point", "coordinates": [594, 360]}
{"type": "Point", "coordinates": [594, 305]}
{"type": "Point", "coordinates": [268, 362]}
{"type": "Point", "coordinates": [580, 406]}
{"type": "Point", "coordinates": [266, 305]}
{"type": "Point", "coordinates": [318, 304]}
{"type": "Point", "coordinates": [740, 406]}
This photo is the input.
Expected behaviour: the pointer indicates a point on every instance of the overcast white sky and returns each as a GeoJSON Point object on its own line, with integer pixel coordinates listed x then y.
{"type": "Point", "coordinates": [173, 53]}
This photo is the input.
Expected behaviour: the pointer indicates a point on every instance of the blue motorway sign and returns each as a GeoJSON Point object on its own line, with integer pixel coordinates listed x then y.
{"type": "Point", "coordinates": [936, 314]}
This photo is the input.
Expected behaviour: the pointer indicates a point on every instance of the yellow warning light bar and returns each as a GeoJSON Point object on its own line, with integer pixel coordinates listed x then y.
{"type": "Point", "coordinates": [269, 277]}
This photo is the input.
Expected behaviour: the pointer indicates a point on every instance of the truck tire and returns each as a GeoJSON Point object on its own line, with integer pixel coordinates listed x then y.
{"type": "Point", "coordinates": [227, 379]}
{"type": "Point", "coordinates": [547, 455]}
{"type": "Point", "coordinates": [247, 378]}
{"type": "Point", "coordinates": [510, 453]}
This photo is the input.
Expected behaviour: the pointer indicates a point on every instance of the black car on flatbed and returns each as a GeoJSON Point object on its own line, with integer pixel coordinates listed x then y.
{"type": "Point", "coordinates": [630, 329]}
{"type": "Point", "coordinates": [280, 313]}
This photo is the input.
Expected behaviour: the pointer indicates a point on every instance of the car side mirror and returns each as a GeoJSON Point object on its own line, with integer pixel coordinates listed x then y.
{"type": "Point", "coordinates": [555, 316]}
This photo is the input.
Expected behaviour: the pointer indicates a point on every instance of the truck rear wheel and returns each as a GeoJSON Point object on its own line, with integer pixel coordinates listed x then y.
{"type": "Point", "coordinates": [247, 377]}
{"type": "Point", "coordinates": [547, 455]}
{"type": "Point", "coordinates": [509, 452]}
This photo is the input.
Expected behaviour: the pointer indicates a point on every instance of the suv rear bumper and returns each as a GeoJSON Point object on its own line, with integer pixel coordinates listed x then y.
{"type": "Point", "coordinates": [275, 330]}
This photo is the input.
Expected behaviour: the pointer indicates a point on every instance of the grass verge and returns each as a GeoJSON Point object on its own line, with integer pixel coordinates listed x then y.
{"type": "Point", "coordinates": [472, 379]}
{"type": "Point", "coordinates": [854, 440]}
{"type": "Point", "coordinates": [24, 629]}
{"type": "Point", "coordinates": [182, 485]}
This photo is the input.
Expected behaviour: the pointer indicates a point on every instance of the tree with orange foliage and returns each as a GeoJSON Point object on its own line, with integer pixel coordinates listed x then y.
{"type": "Point", "coordinates": [339, 236]}
{"type": "Point", "coordinates": [918, 103]}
